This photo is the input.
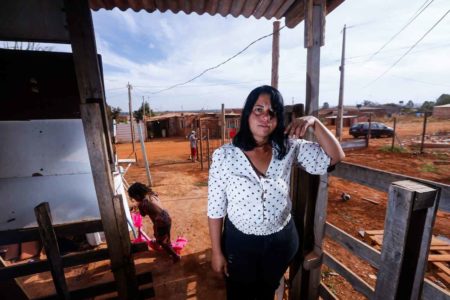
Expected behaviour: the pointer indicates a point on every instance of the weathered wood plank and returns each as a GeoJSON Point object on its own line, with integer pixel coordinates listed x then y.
{"type": "Point", "coordinates": [357, 247]}
{"type": "Point", "coordinates": [122, 267]}
{"type": "Point", "coordinates": [432, 291]}
{"type": "Point", "coordinates": [106, 288]}
{"type": "Point", "coordinates": [357, 282]}
{"type": "Point", "coordinates": [61, 230]}
{"type": "Point", "coordinates": [325, 293]}
{"type": "Point", "coordinates": [68, 260]}
{"type": "Point", "coordinates": [48, 237]}
{"type": "Point", "coordinates": [381, 180]}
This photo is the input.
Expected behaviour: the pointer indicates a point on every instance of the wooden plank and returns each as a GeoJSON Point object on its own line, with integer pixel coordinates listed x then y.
{"type": "Point", "coordinates": [442, 267]}
{"type": "Point", "coordinates": [121, 266]}
{"type": "Point", "coordinates": [440, 247]}
{"type": "Point", "coordinates": [325, 293]}
{"type": "Point", "coordinates": [444, 277]}
{"type": "Point", "coordinates": [439, 257]}
{"type": "Point", "coordinates": [45, 16]}
{"type": "Point", "coordinates": [406, 241]}
{"type": "Point", "coordinates": [396, 225]}
{"type": "Point", "coordinates": [68, 260]}
{"type": "Point", "coordinates": [13, 286]}
{"type": "Point", "coordinates": [381, 180]}
{"type": "Point", "coordinates": [357, 282]}
{"type": "Point", "coordinates": [48, 237]}
{"type": "Point", "coordinates": [432, 291]}
{"type": "Point", "coordinates": [106, 288]}
{"type": "Point", "coordinates": [355, 246]}
{"type": "Point", "coordinates": [319, 232]}
{"type": "Point", "coordinates": [61, 230]}
{"type": "Point", "coordinates": [86, 62]}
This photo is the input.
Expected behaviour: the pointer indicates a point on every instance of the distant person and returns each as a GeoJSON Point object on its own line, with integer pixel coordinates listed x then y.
{"type": "Point", "coordinates": [253, 236]}
{"type": "Point", "coordinates": [193, 145]}
{"type": "Point", "coordinates": [150, 205]}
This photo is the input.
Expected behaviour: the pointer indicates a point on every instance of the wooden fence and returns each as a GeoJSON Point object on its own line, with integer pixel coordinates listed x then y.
{"type": "Point", "coordinates": [55, 263]}
{"type": "Point", "coordinates": [411, 212]}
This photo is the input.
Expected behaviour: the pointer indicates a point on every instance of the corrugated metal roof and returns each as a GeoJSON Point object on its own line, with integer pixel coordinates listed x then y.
{"type": "Point", "coordinates": [291, 10]}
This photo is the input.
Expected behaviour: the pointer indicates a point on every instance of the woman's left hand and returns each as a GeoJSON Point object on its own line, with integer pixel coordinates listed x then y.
{"type": "Point", "coordinates": [297, 128]}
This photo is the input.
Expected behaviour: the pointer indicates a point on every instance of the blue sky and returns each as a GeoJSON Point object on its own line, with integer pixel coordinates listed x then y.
{"type": "Point", "coordinates": [157, 50]}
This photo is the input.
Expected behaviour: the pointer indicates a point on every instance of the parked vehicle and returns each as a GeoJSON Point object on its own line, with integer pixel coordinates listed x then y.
{"type": "Point", "coordinates": [376, 130]}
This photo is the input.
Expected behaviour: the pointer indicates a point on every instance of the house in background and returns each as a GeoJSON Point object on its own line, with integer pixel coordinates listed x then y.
{"type": "Point", "coordinates": [442, 111]}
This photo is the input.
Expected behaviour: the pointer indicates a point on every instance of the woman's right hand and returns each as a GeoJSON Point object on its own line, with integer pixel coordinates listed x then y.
{"type": "Point", "coordinates": [219, 263]}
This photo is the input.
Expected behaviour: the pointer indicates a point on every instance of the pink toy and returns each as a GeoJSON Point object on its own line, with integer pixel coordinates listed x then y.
{"type": "Point", "coordinates": [178, 245]}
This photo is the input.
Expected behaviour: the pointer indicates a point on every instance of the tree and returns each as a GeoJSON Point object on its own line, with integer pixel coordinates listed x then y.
{"type": "Point", "coordinates": [325, 105]}
{"type": "Point", "coordinates": [427, 106]}
{"type": "Point", "coordinates": [410, 104]}
{"type": "Point", "coordinates": [138, 113]}
{"type": "Point", "coordinates": [115, 112]}
{"type": "Point", "coordinates": [369, 103]}
{"type": "Point", "coordinates": [443, 99]}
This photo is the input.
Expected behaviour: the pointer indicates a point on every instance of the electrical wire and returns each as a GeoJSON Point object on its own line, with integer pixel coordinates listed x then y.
{"type": "Point", "coordinates": [410, 49]}
{"type": "Point", "coordinates": [421, 10]}
{"type": "Point", "coordinates": [217, 66]}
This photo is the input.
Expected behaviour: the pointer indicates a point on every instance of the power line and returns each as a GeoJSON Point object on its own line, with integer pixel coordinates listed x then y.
{"type": "Point", "coordinates": [411, 48]}
{"type": "Point", "coordinates": [421, 10]}
{"type": "Point", "coordinates": [215, 67]}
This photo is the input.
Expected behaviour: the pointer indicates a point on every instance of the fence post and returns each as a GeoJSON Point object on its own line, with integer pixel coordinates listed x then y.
{"type": "Point", "coordinates": [424, 130]}
{"type": "Point", "coordinates": [408, 228]}
{"type": "Point", "coordinates": [393, 136]}
{"type": "Point", "coordinates": [207, 146]}
{"type": "Point", "coordinates": [48, 237]}
{"type": "Point", "coordinates": [201, 146]}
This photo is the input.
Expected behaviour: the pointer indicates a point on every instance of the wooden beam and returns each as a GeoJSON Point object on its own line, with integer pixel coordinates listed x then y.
{"type": "Point", "coordinates": [381, 180]}
{"type": "Point", "coordinates": [355, 246]}
{"type": "Point", "coordinates": [313, 60]}
{"type": "Point", "coordinates": [261, 8]}
{"type": "Point", "coordinates": [283, 9]}
{"type": "Point", "coordinates": [406, 242]}
{"type": "Point", "coordinates": [295, 14]}
{"type": "Point", "coordinates": [273, 9]}
{"type": "Point", "coordinates": [32, 233]}
{"type": "Point", "coordinates": [275, 53]}
{"type": "Point", "coordinates": [325, 293]}
{"type": "Point", "coordinates": [68, 260]}
{"type": "Point", "coordinates": [87, 66]}
{"type": "Point", "coordinates": [120, 265]}
{"type": "Point", "coordinates": [48, 237]}
{"type": "Point", "coordinates": [105, 288]}
{"type": "Point", "coordinates": [432, 291]}
{"type": "Point", "coordinates": [357, 282]}
{"type": "Point", "coordinates": [45, 16]}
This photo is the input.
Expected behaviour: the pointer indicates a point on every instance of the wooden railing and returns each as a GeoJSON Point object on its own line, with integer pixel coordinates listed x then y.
{"type": "Point", "coordinates": [55, 263]}
{"type": "Point", "coordinates": [411, 211]}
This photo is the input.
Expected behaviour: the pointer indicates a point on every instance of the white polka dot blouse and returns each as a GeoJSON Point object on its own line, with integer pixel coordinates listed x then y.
{"type": "Point", "coordinates": [258, 205]}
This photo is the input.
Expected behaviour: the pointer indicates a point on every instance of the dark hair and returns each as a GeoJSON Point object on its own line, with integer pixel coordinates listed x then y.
{"type": "Point", "coordinates": [244, 138]}
{"type": "Point", "coordinates": [138, 191]}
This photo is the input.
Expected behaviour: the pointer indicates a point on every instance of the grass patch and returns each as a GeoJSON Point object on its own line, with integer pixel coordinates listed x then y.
{"type": "Point", "coordinates": [201, 183]}
{"type": "Point", "coordinates": [429, 168]}
{"type": "Point", "coordinates": [389, 149]}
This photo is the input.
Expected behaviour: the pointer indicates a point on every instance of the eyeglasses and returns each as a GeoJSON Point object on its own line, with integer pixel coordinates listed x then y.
{"type": "Point", "coordinates": [259, 111]}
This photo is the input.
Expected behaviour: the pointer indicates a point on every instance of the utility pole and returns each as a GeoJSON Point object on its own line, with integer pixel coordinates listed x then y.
{"type": "Point", "coordinates": [130, 108]}
{"type": "Point", "coordinates": [341, 91]}
{"type": "Point", "coordinates": [275, 53]}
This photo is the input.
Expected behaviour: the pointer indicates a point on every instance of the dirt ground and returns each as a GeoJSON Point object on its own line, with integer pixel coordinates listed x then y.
{"type": "Point", "coordinates": [182, 187]}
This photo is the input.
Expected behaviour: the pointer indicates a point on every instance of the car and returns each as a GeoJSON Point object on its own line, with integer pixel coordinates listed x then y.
{"type": "Point", "coordinates": [377, 130]}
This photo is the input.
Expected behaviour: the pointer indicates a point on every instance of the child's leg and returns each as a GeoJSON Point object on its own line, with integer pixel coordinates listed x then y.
{"type": "Point", "coordinates": [169, 249]}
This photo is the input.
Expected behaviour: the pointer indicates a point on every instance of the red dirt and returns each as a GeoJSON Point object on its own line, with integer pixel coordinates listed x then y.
{"type": "Point", "coordinates": [182, 187]}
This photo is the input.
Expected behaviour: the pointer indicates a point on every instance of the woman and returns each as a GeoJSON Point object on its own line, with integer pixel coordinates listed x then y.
{"type": "Point", "coordinates": [252, 234]}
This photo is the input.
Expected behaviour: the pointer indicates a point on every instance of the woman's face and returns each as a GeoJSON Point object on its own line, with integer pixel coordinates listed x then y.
{"type": "Point", "coordinates": [263, 119]}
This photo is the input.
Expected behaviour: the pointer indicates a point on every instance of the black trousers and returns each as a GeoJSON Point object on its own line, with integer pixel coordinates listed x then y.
{"type": "Point", "coordinates": [257, 263]}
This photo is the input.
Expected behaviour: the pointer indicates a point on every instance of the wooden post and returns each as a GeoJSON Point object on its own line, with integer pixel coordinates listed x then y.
{"type": "Point", "coordinates": [275, 53]}
{"type": "Point", "coordinates": [424, 130]}
{"type": "Point", "coordinates": [130, 108]}
{"type": "Point", "coordinates": [201, 145]}
{"type": "Point", "coordinates": [393, 136]}
{"type": "Point", "coordinates": [48, 237]}
{"type": "Point", "coordinates": [408, 228]}
{"type": "Point", "coordinates": [369, 130]}
{"type": "Point", "coordinates": [144, 155]}
{"type": "Point", "coordinates": [87, 67]}
{"type": "Point", "coordinates": [87, 70]}
{"type": "Point", "coordinates": [340, 115]}
{"type": "Point", "coordinates": [222, 117]}
{"type": "Point", "coordinates": [314, 27]}
{"type": "Point", "coordinates": [207, 147]}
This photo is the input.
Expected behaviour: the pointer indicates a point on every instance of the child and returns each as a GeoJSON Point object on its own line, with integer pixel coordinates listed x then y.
{"type": "Point", "coordinates": [149, 205]}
